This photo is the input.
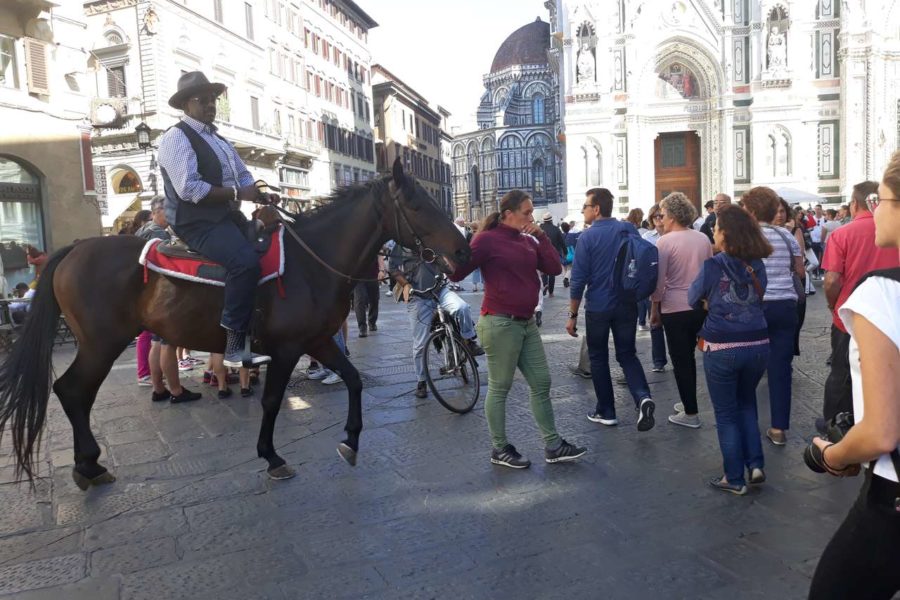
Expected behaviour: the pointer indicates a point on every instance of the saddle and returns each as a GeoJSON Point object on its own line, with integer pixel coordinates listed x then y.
{"type": "Point", "coordinates": [174, 259]}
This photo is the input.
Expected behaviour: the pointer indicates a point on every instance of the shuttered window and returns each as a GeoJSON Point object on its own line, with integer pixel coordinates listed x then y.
{"type": "Point", "coordinates": [36, 65]}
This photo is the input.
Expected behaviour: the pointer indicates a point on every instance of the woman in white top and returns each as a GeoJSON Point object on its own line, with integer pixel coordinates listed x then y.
{"type": "Point", "coordinates": [862, 560]}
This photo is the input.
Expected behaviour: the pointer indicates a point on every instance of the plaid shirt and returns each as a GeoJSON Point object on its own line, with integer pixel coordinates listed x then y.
{"type": "Point", "coordinates": [178, 159]}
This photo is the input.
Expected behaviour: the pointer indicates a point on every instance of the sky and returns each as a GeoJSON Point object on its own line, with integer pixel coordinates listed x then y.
{"type": "Point", "coordinates": [443, 48]}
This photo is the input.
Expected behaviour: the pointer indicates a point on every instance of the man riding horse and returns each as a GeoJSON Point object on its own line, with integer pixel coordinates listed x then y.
{"type": "Point", "coordinates": [205, 183]}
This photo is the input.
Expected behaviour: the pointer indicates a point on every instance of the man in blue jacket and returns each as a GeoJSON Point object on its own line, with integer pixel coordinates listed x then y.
{"type": "Point", "coordinates": [595, 257]}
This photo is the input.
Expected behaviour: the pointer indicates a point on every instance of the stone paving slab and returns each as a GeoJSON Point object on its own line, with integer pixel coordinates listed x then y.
{"type": "Point", "coordinates": [424, 514]}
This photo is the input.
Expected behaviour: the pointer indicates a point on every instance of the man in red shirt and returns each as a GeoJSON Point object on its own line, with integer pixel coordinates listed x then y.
{"type": "Point", "coordinates": [850, 253]}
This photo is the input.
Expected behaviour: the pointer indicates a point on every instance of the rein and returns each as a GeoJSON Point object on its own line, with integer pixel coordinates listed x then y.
{"type": "Point", "coordinates": [423, 250]}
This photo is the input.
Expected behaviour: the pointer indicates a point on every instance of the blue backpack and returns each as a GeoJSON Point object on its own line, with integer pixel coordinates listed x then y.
{"type": "Point", "coordinates": [636, 268]}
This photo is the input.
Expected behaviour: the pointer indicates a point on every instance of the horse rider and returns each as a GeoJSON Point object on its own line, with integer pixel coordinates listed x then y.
{"type": "Point", "coordinates": [205, 183]}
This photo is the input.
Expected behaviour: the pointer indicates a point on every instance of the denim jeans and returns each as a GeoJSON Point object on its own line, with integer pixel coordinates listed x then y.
{"type": "Point", "coordinates": [226, 243]}
{"type": "Point", "coordinates": [732, 376]}
{"type": "Point", "coordinates": [421, 312]}
{"type": "Point", "coordinates": [643, 311]}
{"type": "Point", "coordinates": [781, 316]}
{"type": "Point", "coordinates": [620, 321]}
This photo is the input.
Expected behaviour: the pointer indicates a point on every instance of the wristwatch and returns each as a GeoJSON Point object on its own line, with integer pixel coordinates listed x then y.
{"type": "Point", "coordinates": [573, 315]}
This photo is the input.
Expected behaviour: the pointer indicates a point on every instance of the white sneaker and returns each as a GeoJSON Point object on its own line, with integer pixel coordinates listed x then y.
{"type": "Point", "coordinates": [185, 365]}
{"type": "Point", "coordinates": [332, 378]}
{"type": "Point", "coordinates": [144, 381]}
{"type": "Point", "coordinates": [389, 293]}
{"type": "Point", "coordinates": [643, 328]}
{"type": "Point", "coordinates": [316, 374]}
{"type": "Point", "coordinates": [685, 420]}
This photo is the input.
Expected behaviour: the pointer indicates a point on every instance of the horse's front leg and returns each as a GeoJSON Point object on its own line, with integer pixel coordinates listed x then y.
{"type": "Point", "coordinates": [278, 373]}
{"type": "Point", "coordinates": [333, 358]}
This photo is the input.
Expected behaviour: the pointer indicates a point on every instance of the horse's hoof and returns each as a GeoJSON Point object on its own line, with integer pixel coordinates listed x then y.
{"type": "Point", "coordinates": [84, 483]}
{"type": "Point", "coordinates": [282, 472]}
{"type": "Point", "coordinates": [347, 453]}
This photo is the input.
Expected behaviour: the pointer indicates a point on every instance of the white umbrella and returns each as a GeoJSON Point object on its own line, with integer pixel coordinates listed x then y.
{"type": "Point", "coordinates": [795, 196]}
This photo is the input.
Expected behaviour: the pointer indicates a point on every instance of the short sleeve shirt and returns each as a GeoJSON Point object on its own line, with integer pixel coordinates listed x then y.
{"type": "Point", "coordinates": [851, 251]}
{"type": "Point", "coordinates": [779, 264]}
{"type": "Point", "coordinates": [878, 300]}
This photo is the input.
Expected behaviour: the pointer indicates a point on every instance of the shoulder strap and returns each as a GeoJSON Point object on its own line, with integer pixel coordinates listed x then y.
{"type": "Point", "coordinates": [756, 284]}
{"type": "Point", "coordinates": [786, 241]}
{"type": "Point", "coordinates": [893, 274]}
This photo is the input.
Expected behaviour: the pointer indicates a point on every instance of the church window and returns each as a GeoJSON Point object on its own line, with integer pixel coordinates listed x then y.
{"type": "Point", "coordinates": [537, 177]}
{"type": "Point", "coordinates": [538, 109]}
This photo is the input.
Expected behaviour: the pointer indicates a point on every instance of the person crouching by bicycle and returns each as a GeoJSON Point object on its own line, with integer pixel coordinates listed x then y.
{"type": "Point", "coordinates": [409, 272]}
{"type": "Point", "coordinates": [509, 249]}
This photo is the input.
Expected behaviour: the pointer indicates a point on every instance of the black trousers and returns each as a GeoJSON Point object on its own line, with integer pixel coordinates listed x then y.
{"type": "Point", "coordinates": [862, 560]}
{"type": "Point", "coordinates": [682, 329]}
{"type": "Point", "coordinates": [365, 300]}
{"type": "Point", "coordinates": [549, 281]}
{"type": "Point", "coordinates": [838, 390]}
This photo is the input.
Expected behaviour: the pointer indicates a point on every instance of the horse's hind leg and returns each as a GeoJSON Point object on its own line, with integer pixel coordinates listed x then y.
{"type": "Point", "coordinates": [278, 373]}
{"type": "Point", "coordinates": [77, 389]}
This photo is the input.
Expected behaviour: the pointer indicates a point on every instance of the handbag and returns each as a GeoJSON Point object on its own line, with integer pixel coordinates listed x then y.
{"type": "Point", "coordinates": [799, 288]}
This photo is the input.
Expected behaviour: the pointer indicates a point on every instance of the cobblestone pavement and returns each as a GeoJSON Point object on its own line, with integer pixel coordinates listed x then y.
{"type": "Point", "coordinates": [424, 514]}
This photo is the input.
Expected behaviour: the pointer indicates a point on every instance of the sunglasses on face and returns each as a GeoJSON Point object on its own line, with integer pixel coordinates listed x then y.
{"type": "Point", "coordinates": [657, 217]}
{"type": "Point", "coordinates": [873, 200]}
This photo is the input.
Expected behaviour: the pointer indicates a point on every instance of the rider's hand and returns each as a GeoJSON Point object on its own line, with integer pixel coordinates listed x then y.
{"type": "Point", "coordinates": [248, 193]}
{"type": "Point", "coordinates": [571, 328]}
{"type": "Point", "coordinates": [268, 199]}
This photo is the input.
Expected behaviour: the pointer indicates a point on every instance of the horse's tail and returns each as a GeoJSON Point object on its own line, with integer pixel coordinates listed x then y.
{"type": "Point", "coordinates": [25, 376]}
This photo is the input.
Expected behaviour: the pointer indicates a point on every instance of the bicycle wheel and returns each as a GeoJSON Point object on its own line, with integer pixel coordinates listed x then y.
{"type": "Point", "coordinates": [451, 372]}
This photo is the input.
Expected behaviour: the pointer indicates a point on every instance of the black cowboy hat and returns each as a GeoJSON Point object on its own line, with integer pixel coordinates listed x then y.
{"type": "Point", "coordinates": [193, 83]}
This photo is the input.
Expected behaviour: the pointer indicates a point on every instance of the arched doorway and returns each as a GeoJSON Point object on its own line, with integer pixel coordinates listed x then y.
{"type": "Point", "coordinates": [21, 219]}
{"type": "Point", "coordinates": [123, 200]}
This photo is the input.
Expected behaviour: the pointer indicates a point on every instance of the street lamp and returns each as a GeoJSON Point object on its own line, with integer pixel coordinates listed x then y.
{"type": "Point", "coordinates": [143, 136]}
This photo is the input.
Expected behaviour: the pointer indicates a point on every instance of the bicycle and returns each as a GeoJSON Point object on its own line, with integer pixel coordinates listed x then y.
{"type": "Point", "coordinates": [450, 369]}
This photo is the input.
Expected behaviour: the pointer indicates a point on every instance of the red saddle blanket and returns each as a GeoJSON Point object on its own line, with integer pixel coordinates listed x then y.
{"type": "Point", "coordinates": [202, 270]}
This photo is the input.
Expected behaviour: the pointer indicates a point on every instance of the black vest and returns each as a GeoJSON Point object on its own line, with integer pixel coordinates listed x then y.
{"type": "Point", "coordinates": [180, 212]}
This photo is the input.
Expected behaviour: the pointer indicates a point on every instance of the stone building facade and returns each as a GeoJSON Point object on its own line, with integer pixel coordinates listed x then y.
{"type": "Point", "coordinates": [704, 96]}
{"type": "Point", "coordinates": [516, 144]}
{"type": "Point", "coordinates": [406, 126]}
{"type": "Point", "coordinates": [46, 187]}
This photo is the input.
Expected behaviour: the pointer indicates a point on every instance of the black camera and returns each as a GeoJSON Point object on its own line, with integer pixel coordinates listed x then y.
{"type": "Point", "coordinates": [835, 430]}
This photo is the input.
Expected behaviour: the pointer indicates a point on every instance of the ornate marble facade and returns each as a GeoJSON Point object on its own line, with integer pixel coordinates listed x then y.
{"type": "Point", "coordinates": [516, 143]}
{"type": "Point", "coordinates": [787, 93]}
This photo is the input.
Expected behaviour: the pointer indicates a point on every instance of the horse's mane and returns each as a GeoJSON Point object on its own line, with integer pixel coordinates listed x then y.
{"type": "Point", "coordinates": [339, 198]}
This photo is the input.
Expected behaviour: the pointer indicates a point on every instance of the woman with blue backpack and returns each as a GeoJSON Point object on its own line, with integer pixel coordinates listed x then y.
{"type": "Point", "coordinates": [731, 286]}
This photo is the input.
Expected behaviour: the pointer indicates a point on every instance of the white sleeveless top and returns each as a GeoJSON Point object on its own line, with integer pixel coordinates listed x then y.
{"type": "Point", "coordinates": [878, 300]}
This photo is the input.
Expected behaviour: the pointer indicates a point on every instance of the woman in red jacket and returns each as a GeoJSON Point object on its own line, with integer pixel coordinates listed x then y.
{"type": "Point", "coordinates": [509, 249]}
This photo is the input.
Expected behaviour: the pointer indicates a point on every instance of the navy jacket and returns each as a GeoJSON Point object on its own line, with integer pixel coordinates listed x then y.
{"type": "Point", "coordinates": [595, 257]}
{"type": "Point", "coordinates": [735, 308]}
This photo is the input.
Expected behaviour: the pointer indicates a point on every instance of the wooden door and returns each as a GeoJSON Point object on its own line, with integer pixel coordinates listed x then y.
{"type": "Point", "coordinates": [677, 163]}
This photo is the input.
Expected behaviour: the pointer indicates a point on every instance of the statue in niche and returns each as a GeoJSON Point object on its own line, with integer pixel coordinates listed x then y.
{"type": "Point", "coordinates": [777, 49]}
{"type": "Point", "coordinates": [585, 64]}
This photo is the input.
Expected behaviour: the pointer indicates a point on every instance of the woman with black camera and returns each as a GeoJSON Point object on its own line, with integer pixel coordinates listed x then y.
{"type": "Point", "coordinates": [862, 560]}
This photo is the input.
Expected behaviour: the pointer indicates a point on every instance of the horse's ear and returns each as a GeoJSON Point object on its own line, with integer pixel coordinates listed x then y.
{"type": "Point", "coordinates": [397, 173]}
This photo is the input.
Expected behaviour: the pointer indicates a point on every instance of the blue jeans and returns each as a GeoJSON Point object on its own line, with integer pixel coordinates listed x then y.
{"type": "Point", "coordinates": [226, 243]}
{"type": "Point", "coordinates": [421, 312]}
{"type": "Point", "coordinates": [658, 346]}
{"type": "Point", "coordinates": [643, 310]}
{"type": "Point", "coordinates": [781, 316]}
{"type": "Point", "coordinates": [732, 376]}
{"type": "Point", "coordinates": [620, 321]}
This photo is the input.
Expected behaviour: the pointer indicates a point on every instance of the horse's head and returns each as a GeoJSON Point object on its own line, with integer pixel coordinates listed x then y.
{"type": "Point", "coordinates": [419, 223]}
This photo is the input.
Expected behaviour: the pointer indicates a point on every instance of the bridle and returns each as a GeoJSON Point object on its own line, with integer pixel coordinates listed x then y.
{"type": "Point", "coordinates": [426, 254]}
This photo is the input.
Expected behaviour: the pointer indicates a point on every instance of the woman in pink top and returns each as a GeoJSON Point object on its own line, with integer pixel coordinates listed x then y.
{"type": "Point", "coordinates": [682, 252]}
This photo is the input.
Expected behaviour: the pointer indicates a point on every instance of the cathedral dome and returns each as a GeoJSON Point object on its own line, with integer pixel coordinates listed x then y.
{"type": "Point", "coordinates": [527, 45]}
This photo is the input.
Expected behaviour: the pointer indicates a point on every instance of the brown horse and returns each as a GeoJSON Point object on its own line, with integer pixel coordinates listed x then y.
{"type": "Point", "coordinates": [99, 286]}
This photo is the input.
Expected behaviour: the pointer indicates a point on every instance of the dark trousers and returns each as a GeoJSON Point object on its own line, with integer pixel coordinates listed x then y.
{"type": "Point", "coordinates": [620, 321]}
{"type": "Point", "coordinates": [658, 346]}
{"type": "Point", "coordinates": [838, 390]}
{"type": "Point", "coordinates": [549, 282]}
{"type": "Point", "coordinates": [781, 317]}
{"type": "Point", "coordinates": [365, 299]}
{"type": "Point", "coordinates": [682, 329]}
{"type": "Point", "coordinates": [862, 560]}
{"type": "Point", "coordinates": [226, 243]}
{"type": "Point", "coordinates": [801, 317]}
{"type": "Point", "coordinates": [643, 311]}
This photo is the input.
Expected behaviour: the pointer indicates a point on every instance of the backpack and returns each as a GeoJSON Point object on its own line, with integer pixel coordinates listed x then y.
{"type": "Point", "coordinates": [636, 268]}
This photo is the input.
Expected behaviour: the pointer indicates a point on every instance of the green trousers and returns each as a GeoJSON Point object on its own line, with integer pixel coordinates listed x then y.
{"type": "Point", "coordinates": [509, 344]}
